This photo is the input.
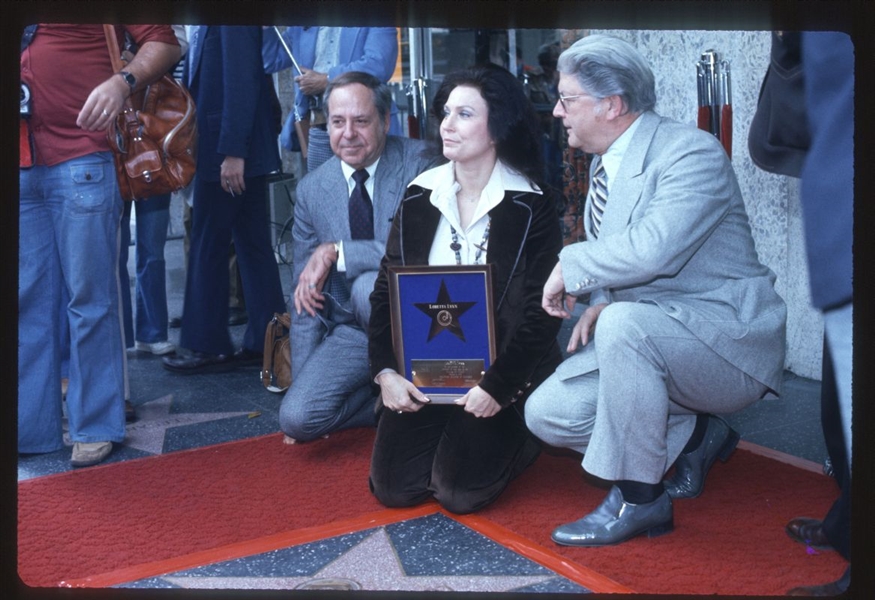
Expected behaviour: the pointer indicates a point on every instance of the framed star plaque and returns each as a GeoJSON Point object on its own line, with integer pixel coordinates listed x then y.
{"type": "Point", "coordinates": [443, 327]}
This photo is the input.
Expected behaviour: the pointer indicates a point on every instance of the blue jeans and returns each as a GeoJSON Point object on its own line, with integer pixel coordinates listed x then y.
{"type": "Point", "coordinates": [69, 240]}
{"type": "Point", "coordinates": [153, 215]}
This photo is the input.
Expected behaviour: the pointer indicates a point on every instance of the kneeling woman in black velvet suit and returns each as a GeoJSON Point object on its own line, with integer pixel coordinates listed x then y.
{"type": "Point", "coordinates": [483, 205]}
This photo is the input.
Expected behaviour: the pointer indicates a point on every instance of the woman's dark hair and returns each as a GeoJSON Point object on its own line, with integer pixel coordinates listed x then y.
{"type": "Point", "coordinates": [512, 123]}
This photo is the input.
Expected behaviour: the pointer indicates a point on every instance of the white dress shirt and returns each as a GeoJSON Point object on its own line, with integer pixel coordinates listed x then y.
{"type": "Point", "coordinates": [444, 187]}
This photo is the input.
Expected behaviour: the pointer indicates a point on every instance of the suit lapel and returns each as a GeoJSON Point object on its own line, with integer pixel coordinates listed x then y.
{"type": "Point", "coordinates": [334, 205]}
{"type": "Point", "coordinates": [419, 221]}
{"type": "Point", "coordinates": [627, 186]}
{"type": "Point", "coordinates": [387, 180]}
{"type": "Point", "coordinates": [510, 226]}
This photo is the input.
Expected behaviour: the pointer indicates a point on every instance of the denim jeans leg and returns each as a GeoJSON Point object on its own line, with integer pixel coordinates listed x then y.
{"type": "Point", "coordinates": [88, 229]}
{"type": "Point", "coordinates": [64, 329]}
{"type": "Point", "coordinates": [39, 337]}
{"type": "Point", "coordinates": [153, 216]}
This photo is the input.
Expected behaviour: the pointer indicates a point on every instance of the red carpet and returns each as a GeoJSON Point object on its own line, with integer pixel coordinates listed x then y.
{"type": "Point", "coordinates": [259, 494]}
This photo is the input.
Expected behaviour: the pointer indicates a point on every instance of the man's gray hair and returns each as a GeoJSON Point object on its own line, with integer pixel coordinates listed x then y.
{"type": "Point", "coordinates": [608, 66]}
{"type": "Point", "coordinates": [382, 93]}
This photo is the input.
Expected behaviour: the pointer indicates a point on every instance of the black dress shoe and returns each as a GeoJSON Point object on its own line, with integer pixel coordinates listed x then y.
{"type": "Point", "coordinates": [199, 362]}
{"type": "Point", "coordinates": [615, 521]}
{"type": "Point", "coordinates": [809, 532]}
{"type": "Point", "coordinates": [833, 588]}
{"type": "Point", "coordinates": [130, 413]}
{"type": "Point", "coordinates": [237, 316]}
{"type": "Point", "coordinates": [247, 358]}
{"type": "Point", "coordinates": [691, 468]}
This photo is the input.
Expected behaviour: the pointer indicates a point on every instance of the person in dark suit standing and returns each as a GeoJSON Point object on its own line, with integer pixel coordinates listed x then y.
{"type": "Point", "coordinates": [804, 128]}
{"type": "Point", "coordinates": [343, 214]}
{"type": "Point", "coordinates": [827, 198]}
{"type": "Point", "coordinates": [236, 151]}
{"type": "Point", "coordinates": [683, 321]}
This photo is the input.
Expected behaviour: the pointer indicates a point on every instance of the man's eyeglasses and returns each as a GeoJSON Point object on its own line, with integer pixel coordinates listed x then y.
{"type": "Point", "coordinates": [562, 99]}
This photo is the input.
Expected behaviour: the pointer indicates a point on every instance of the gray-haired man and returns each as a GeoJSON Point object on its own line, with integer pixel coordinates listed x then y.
{"type": "Point", "coordinates": [683, 319]}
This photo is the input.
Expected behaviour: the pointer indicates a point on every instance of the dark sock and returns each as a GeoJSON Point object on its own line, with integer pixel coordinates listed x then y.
{"type": "Point", "coordinates": [698, 433]}
{"type": "Point", "coordinates": [636, 492]}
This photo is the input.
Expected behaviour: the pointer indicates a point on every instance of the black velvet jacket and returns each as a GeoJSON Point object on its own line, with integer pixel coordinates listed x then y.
{"type": "Point", "coordinates": [524, 245]}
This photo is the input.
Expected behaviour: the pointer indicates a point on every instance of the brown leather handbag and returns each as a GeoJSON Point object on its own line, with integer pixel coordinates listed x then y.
{"type": "Point", "coordinates": [276, 372]}
{"type": "Point", "coordinates": [154, 139]}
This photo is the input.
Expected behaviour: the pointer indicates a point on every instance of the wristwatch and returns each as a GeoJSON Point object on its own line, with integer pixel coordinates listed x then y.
{"type": "Point", "coordinates": [129, 79]}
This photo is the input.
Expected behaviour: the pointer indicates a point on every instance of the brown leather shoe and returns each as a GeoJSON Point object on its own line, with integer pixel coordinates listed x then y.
{"type": "Point", "coordinates": [809, 532]}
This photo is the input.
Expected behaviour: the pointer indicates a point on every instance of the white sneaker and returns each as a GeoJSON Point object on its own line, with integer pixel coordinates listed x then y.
{"type": "Point", "coordinates": [165, 347]}
{"type": "Point", "coordinates": [86, 454]}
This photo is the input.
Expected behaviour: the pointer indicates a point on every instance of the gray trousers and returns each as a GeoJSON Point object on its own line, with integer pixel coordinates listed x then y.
{"type": "Point", "coordinates": [333, 388]}
{"type": "Point", "coordinates": [628, 399]}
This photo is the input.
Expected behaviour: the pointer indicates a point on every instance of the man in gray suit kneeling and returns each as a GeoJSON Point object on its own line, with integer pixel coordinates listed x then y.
{"type": "Point", "coordinates": [343, 214]}
{"type": "Point", "coordinates": [683, 319]}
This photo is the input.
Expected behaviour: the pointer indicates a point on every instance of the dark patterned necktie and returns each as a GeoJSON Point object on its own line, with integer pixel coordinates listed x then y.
{"type": "Point", "coordinates": [598, 191]}
{"type": "Point", "coordinates": [361, 210]}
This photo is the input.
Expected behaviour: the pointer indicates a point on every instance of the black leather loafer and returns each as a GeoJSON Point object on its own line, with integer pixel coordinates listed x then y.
{"type": "Point", "coordinates": [809, 532]}
{"type": "Point", "coordinates": [615, 521]}
{"type": "Point", "coordinates": [130, 412]}
{"type": "Point", "coordinates": [199, 362]}
{"type": "Point", "coordinates": [248, 358]}
{"type": "Point", "coordinates": [691, 468]}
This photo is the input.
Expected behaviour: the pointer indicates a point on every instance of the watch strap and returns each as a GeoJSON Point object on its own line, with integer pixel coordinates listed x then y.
{"type": "Point", "coordinates": [129, 79]}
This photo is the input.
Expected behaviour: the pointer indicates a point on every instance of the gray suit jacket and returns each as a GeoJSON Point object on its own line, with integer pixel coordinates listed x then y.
{"type": "Point", "coordinates": [321, 215]}
{"type": "Point", "coordinates": [675, 233]}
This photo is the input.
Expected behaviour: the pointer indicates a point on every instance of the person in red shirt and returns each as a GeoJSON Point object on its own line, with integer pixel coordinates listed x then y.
{"type": "Point", "coordinates": [69, 219]}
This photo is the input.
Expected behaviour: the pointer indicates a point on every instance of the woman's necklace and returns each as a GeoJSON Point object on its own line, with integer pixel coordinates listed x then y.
{"type": "Point", "coordinates": [456, 247]}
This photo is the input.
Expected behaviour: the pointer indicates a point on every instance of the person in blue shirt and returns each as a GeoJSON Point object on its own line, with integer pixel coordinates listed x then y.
{"type": "Point", "coordinates": [323, 53]}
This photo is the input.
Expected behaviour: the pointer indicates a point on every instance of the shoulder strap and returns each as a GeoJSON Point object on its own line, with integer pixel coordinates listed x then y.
{"type": "Point", "coordinates": [115, 54]}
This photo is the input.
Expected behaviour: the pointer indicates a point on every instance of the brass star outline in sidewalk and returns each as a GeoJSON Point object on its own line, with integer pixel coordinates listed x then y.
{"type": "Point", "coordinates": [154, 419]}
{"type": "Point", "coordinates": [372, 564]}
{"type": "Point", "coordinates": [444, 313]}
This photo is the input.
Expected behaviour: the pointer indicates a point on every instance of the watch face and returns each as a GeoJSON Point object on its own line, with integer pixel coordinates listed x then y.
{"type": "Point", "coordinates": [129, 79]}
